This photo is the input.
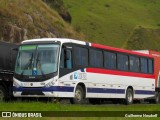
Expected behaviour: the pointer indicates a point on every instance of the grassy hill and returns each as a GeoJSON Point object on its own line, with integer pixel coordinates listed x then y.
{"type": "Point", "coordinates": [26, 19]}
{"type": "Point", "coordinates": [144, 38]}
{"type": "Point", "coordinates": [120, 23]}
{"type": "Point", "coordinates": [131, 24]}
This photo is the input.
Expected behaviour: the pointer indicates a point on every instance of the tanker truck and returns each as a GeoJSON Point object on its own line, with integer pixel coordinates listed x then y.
{"type": "Point", "coordinates": [8, 55]}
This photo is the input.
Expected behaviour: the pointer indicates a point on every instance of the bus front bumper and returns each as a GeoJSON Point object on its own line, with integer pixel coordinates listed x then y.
{"type": "Point", "coordinates": [53, 91]}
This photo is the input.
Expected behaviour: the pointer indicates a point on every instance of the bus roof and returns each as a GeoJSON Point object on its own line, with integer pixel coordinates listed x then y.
{"type": "Point", "coordinates": [67, 40]}
{"type": "Point", "coordinates": [62, 40]}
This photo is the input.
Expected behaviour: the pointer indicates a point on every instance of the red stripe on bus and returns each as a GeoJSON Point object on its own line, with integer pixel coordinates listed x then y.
{"type": "Point", "coordinates": [120, 50]}
{"type": "Point", "coordinates": [122, 73]}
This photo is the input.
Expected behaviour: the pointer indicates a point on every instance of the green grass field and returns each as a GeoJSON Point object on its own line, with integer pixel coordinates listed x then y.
{"type": "Point", "coordinates": [48, 106]}
{"type": "Point", "coordinates": [41, 106]}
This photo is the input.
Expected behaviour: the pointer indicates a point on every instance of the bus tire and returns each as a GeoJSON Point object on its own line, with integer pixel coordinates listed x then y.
{"type": "Point", "coordinates": [129, 96]}
{"type": "Point", "coordinates": [3, 94]}
{"type": "Point", "coordinates": [79, 96]}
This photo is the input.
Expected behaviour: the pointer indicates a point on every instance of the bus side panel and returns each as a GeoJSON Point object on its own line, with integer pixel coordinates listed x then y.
{"type": "Point", "coordinates": [100, 85]}
{"type": "Point", "coordinates": [156, 56]}
{"type": "Point", "coordinates": [115, 86]}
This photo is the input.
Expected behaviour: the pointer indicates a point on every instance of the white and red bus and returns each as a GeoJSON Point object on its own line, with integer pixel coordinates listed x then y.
{"type": "Point", "coordinates": [67, 68]}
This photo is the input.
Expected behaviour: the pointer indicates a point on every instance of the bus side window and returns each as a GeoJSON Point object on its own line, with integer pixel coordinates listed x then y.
{"type": "Point", "coordinates": [122, 62]}
{"type": "Point", "coordinates": [150, 66]}
{"type": "Point", "coordinates": [66, 59]}
{"type": "Point", "coordinates": [144, 65]}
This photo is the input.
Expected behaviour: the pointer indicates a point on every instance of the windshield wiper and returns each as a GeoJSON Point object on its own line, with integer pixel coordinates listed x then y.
{"type": "Point", "coordinates": [27, 65]}
{"type": "Point", "coordinates": [38, 60]}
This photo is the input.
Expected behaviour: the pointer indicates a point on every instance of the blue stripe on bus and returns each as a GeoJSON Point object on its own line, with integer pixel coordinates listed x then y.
{"type": "Point", "coordinates": [89, 90]}
{"type": "Point", "coordinates": [47, 89]}
{"type": "Point", "coordinates": [118, 91]}
{"type": "Point", "coordinates": [146, 92]}
{"type": "Point", "coordinates": [105, 90]}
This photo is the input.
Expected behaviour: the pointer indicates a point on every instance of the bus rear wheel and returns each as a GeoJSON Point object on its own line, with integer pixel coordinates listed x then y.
{"type": "Point", "coordinates": [79, 96]}
{"type": "Point", "coordinates": [129, 96]}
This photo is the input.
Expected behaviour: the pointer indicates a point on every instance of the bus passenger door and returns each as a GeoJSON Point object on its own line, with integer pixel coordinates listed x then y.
{"type": "Point", "coordinates": [66, 62]}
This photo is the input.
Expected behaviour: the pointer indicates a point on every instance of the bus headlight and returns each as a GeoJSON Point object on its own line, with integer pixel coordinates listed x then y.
{"type": "Point", "coordinates": [50, 84]}
{"type": "Point", "coordinates": [16, 84]}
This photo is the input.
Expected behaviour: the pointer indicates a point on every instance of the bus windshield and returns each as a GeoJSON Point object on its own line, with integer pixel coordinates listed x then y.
{"type": "Point", "coordinates": [37, 59]}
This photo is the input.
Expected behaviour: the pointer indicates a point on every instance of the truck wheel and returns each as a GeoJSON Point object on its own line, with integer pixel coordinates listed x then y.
{"type": "Point", "coordinates": [2, 94]}
{"type": "Point", "coordinates": [79, 96]}
{"type": "Point", "coordinates": [129, 96]}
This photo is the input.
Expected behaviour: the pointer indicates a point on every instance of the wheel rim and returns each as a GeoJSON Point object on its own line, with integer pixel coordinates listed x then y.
{"type": "Point", "coordinates": [130, 97]}
{"type": "Point", "coordinates": [1, 96]}
{"type": "Point", "coordinates": [78, 95]}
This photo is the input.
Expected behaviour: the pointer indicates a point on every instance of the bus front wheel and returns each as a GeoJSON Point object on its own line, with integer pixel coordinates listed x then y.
{"type": "Point", "coordinates": [129, 96]}
{"type": "Point", "coordinates": [79, 96]}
